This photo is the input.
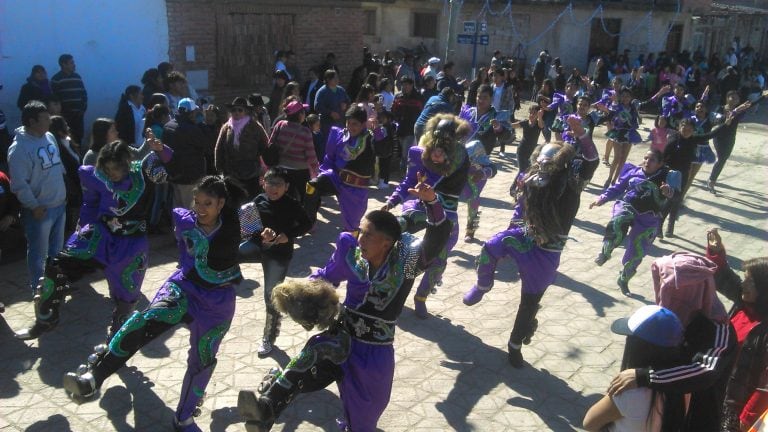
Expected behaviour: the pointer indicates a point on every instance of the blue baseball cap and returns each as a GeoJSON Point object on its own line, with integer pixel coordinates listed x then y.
{"type": "Point", "coordinates": [187, 105]}
{"type": "Point", "coordinates": [654, 324]}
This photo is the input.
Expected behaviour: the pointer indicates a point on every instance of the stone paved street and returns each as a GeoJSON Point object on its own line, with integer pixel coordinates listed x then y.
{"type": "Point", "coordinates": [451, 373]}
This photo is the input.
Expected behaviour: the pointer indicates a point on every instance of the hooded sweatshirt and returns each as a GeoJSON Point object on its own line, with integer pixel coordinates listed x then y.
{"type": "Point", "coordinates": [36, 171]}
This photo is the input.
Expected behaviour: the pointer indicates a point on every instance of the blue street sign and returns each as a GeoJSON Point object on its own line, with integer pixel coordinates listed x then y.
{"type": "Point", "coordinates": [467, 39]}
{"type": "Point", "coordinates": [470, 26]}
{"type": "Point", "coordinates": [484, 40]}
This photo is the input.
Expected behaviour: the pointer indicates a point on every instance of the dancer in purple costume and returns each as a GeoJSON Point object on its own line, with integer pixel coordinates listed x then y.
{"type": "Point", "coordinates": [565, 105]}
{"type": "Point", "coordinates": [643, 192]}
{"type": "Point", "coordinates": [356, 351]}
{"type": "Point", "coordinates": [440, 160]}
{"type": "Point", "coordinates": [200, 293]}
{"type": "Point", "coordinates": [111, 234]}
{"type": "Point", "coordinates": [346, 170]}
{"type": "Point", "coordinates": [486, 131]}
{"type": "Point", "coordinates": [535, 238]}
{"type": "Point", "coordinates": [624, 121]}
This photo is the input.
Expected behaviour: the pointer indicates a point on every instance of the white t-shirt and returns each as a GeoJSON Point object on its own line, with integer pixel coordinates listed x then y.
{"type": "Point", "coordinates": [634, 406]}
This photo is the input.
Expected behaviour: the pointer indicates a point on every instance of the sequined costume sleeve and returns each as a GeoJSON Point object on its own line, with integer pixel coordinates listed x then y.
{"type": "Point", "coordinates": [337, 269]}
{"type": "Point", "coordinates": [414, 165]}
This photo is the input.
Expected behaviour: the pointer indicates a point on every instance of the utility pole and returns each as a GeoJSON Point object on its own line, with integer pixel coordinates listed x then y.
{"type": "Point", "coordinates": [450, 30]}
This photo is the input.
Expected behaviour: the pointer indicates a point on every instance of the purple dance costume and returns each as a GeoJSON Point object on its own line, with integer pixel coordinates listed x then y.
{"type": "Point", "coordinates": [346, 172]}
{"type": "Point", "coordinates": [534, 248]}
{"type": "Point", "coordinates": [200, 294]}
{"type": "Point", "coordinates": [357, 351]}
{"type": "Point", "coordinates": [111, 235]}
{"type": "Point", "coordinates": [639, 207]}
{"type": "Point", "coordinates": [414, 214]}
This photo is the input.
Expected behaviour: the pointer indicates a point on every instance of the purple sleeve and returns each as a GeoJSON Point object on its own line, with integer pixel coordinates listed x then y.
{"type": "Point", "coordinates": [90, 208]}
{"type": "Point", "coordinates": [401, 192]}
{"type": "Point", "coordinates": [620, 186]}
{"type": "Point", "coordinates": [337, 270]}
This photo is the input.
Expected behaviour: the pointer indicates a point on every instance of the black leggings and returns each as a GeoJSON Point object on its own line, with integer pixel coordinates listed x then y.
{"type": "Point", "coordinates": [723, 148]}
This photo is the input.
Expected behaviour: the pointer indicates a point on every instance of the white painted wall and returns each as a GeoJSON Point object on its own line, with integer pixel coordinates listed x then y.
{"type": "Point", "coordinates": [113, 43]}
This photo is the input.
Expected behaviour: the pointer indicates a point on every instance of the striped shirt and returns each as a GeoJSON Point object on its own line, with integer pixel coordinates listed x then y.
{"type": "Point", "coordinates": [296, 148]}
{"type": "Point", "coordinates": [71, 90]}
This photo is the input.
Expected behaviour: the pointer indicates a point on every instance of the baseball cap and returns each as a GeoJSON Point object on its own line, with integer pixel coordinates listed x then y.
{"type": "Point", "coordinates": [187, 105]}
{"type": "Point", "coordinates": [433, 61]}
{"type": "Point", "coordinates": [654, 324]}
{"type": "Point", "coordinates": [294, 107]}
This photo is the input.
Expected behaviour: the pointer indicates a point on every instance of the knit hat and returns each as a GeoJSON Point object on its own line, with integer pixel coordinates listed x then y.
{"type": "Point", "coordinates": [187, 105]}
{"type": "Point", "coordinates": [654, 324]}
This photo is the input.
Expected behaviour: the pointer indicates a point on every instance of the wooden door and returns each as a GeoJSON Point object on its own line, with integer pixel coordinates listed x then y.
{"type": "Point", "coordinates": [245, 47]}
{"type": "Point", "coordinates": [600, 42]}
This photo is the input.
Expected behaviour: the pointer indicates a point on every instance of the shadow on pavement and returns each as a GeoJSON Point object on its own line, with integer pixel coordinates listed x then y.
{"type": "Point", "coordinates": [56, 422]}
{"type": "Point", "coordinates": [481, 368]}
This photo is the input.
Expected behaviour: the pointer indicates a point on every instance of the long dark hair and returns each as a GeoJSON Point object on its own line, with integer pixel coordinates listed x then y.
{"type": "Point", "coordinates": [116, 152]}
{"type": "Point", "coordinates": [757, 269]}
{"type": "Point", "coordinates": [99, 133]}
{"type": "Point", "coordinates": [227, 188]}
{"type": "Point", "coordinates": [641, 354]}
{"type": "Point", "coordinates": [542, 204]}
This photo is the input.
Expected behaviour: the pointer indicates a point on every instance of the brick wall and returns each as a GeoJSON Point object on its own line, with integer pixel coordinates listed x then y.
{"type": "Point", "coordinates": [320, 26]}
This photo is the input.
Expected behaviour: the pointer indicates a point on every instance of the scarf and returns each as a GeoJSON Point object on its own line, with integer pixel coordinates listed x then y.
{"type": "Point", "coordinates": [237, 128]}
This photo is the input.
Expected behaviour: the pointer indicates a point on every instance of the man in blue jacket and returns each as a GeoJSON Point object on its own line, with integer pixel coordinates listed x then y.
{"type": "Point", "coordinates": [442, 103]}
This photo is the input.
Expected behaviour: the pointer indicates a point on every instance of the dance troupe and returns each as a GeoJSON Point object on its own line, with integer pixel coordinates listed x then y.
{"type": "Point", "coordinates": [378, 255]}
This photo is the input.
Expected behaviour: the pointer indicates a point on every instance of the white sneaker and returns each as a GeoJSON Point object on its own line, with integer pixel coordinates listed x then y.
{"type": "Point", "coordinates": [383, 185]}
{"type": "Point", "coordinates": [502, 155]}
{"type": "Point", "coordinates": [265, 348]}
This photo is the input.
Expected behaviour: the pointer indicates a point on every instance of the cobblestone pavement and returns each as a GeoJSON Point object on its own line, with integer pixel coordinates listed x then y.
{"type": "Point", "coordinates": [452, 372]}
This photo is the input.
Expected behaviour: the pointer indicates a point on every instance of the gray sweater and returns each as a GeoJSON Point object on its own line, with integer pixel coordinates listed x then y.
{"type": "Point", "coordinates": [36, 171]}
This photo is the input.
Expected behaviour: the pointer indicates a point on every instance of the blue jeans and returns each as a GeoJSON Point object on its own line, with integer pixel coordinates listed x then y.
{"type": "Point", "coordinates": [45, 238]}
{"type": "Point", "coordinates": [274, 269]}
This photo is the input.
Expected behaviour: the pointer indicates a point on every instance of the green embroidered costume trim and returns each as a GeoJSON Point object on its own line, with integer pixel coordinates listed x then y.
{"type": "Point", "coordinates": [126, 198]}
{"type": "Point", "coordinates": [200, 249]}
{"type": "Point", "coordinates": [92, 235]}
{"type": "Point", "coordinates": [138, 263]}
{"type": "Point", "coordinates": [210, 338]}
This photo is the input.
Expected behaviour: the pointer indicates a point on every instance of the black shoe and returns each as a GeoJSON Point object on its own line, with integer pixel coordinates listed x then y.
{"type": "Point", "coordinates": [601, 259]}
{"type": "Point", "coordinates": [515, 358]}
{"type": "Point", "coordinates": [80, 385]}
{"type": "Point", "coordinates": [257, 412]}
{"type": "Point", "coordinates": [670, 233]}
{"type": "Point", "coordinates": [36, 330]}
{"type": "Point", "coordinates": [623, 286]}
{"type": "Point", "coordinates": [534, 327]}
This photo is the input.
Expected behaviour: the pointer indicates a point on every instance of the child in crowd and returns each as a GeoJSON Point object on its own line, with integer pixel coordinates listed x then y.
{"type": "Point", "coordinates": [658, 135]}
{"type": "Point", "coordinates": [283, 219]}
{"type": "Point", "coordinates": [384, 142]}
{"type": "Point", "coordinates": [313, 123]}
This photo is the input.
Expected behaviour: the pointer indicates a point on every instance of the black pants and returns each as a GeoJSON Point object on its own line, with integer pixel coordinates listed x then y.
{"type": "Point", "coordinates": [298, 179]}
{"type": "Point", "coordinates": [75, 123]}
{"type": "Point", "coordinates": [384, 168]}
{"type": "Point", "coordinates": [723, 148]}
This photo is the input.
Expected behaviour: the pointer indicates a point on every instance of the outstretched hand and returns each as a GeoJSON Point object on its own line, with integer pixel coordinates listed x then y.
{"type": "Point", "coordinates": [423, 190]}
{"type": "Point", "coordinates": [154, 143]}
{"type": "Point", "coordinates": [714, 241]}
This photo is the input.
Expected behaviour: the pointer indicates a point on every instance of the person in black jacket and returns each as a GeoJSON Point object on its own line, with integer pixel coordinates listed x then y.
{"type": "Point", "coordinates": [37, 87]}
{"type": "Point", "coordinates": [129, 118]}
{"type": "Point", "coordinates": [191, 143]}
{"type": "Point", "coordinates": [683, 283]}
{"type": "Point", "coordinates": [679, 153]}
{"type": "Point", "coordinates": [282, 219]}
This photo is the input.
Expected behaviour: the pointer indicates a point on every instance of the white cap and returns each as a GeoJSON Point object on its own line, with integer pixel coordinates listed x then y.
{"type": "Point", "coordinates": [433, 61]}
